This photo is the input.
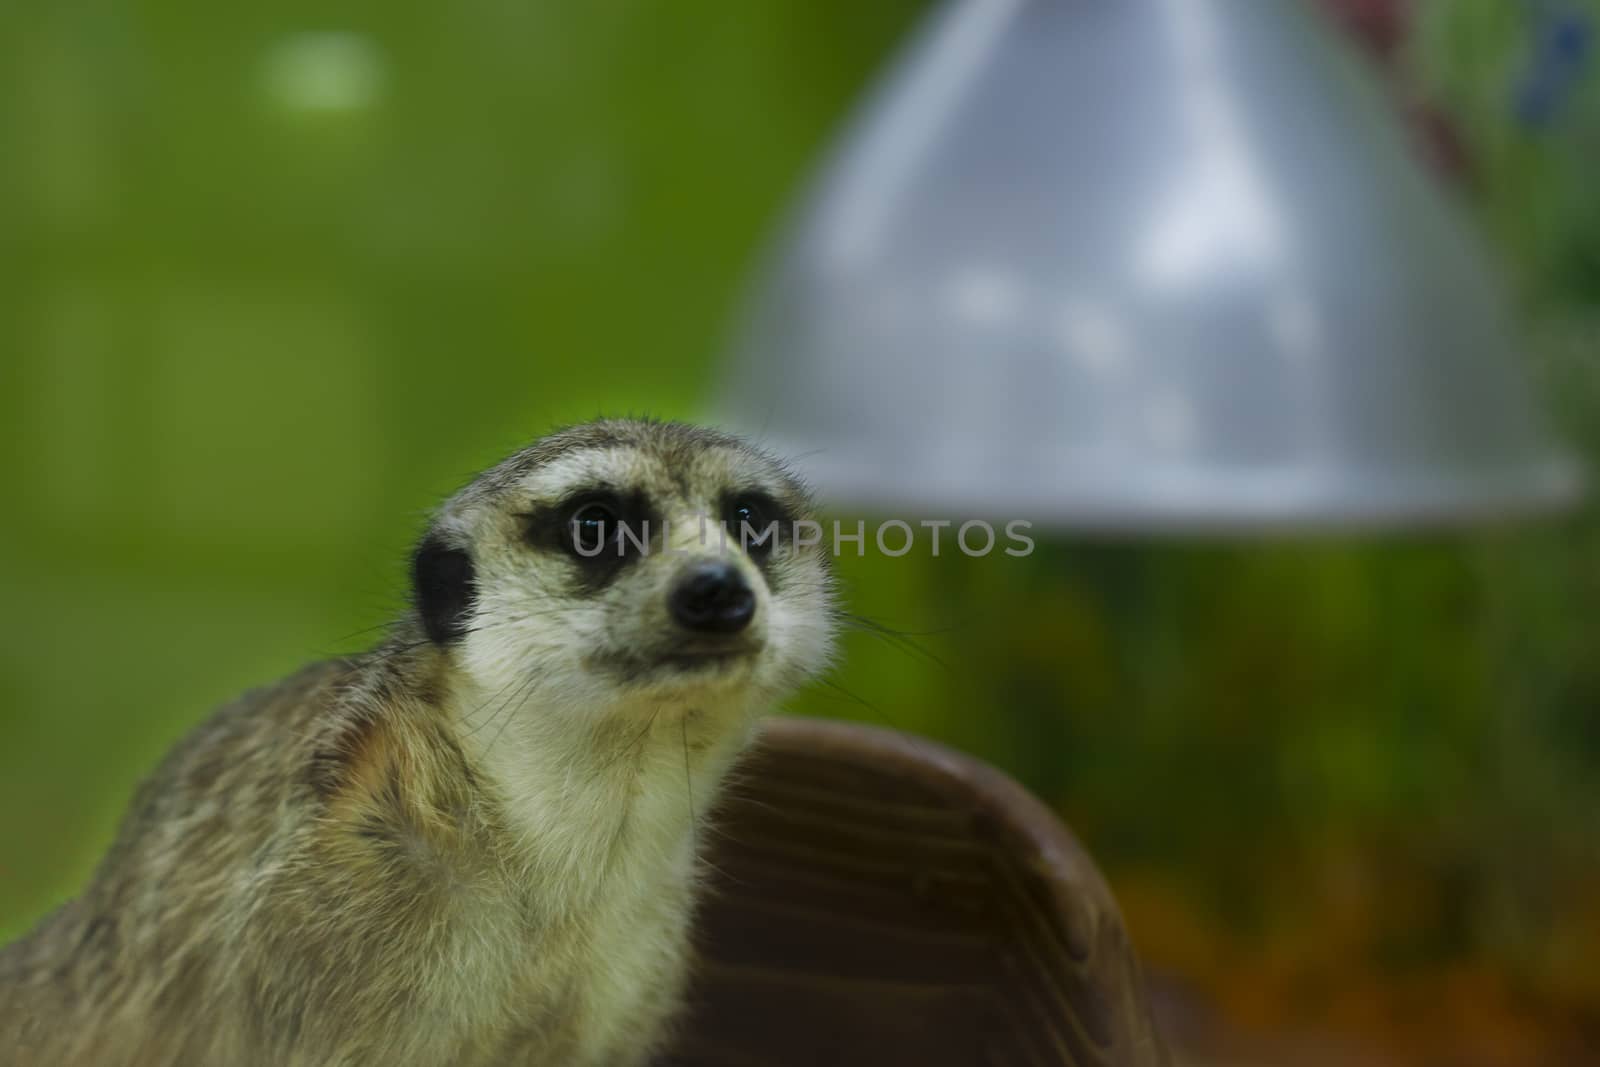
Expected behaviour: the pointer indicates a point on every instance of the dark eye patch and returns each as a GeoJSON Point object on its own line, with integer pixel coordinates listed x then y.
{"type": "Point", "coordinates": [599, 512]}
{"type": "Point", "coordinates": [770, 522]}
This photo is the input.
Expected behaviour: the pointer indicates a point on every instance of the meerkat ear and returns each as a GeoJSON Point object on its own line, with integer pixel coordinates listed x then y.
{"type": "Point", "coordinates": [442, 579]}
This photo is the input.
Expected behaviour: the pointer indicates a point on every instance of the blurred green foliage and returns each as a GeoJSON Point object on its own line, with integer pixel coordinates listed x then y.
{"type": "Point", "coordinates": [277, 277]}
{"type": "Point", "coordinates": [270, 293]}
{"type": "Point", "coordinates": [1521, 80]}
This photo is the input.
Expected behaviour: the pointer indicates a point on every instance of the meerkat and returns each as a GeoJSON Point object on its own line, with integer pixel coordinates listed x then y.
{"type": "Point", "coordinates": [475, 843]}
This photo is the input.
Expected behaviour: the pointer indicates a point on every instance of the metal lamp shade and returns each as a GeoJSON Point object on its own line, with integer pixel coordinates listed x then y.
{"type": "Point", "coordinates": [1140, 263]}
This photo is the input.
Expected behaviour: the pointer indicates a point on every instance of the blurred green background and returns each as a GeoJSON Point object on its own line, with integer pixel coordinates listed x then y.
{"type": "Point", "coordinates": [277, 277]}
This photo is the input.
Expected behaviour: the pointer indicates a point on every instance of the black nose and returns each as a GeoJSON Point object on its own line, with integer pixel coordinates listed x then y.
{"type": "Point", "coordinates": [713, 598]}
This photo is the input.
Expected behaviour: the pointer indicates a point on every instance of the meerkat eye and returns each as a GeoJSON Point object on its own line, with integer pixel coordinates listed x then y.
{"type": "Point", "coordinates": [753, 520]}
{"type": "Point", "coordinates": [589, 528]}
{"type": "Point", "coordinates": [748, 511]}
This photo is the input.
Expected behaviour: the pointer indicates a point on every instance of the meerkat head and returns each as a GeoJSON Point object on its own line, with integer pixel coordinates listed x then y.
{"type": "Point", "coordinates": [627, 565]}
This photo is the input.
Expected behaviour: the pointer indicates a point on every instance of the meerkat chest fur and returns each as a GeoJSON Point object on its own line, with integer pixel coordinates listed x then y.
{"type": "Point", "coordinates": [601, 829]}
{"type": "Point", "coordinates": [476, 843]}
